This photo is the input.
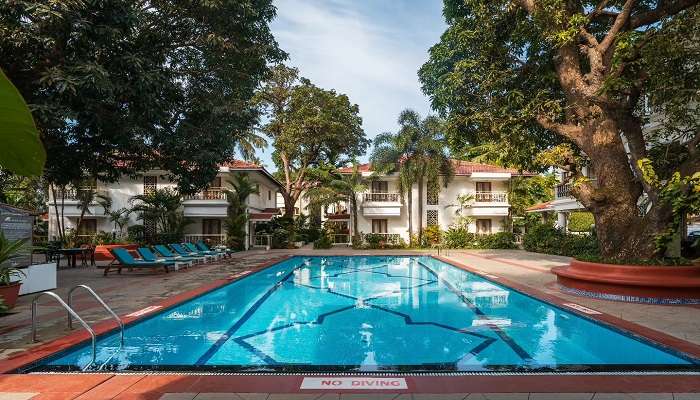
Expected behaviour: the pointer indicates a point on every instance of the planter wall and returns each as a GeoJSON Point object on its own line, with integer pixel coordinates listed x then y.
{"type": "Point", "coordinates": [38, 278]}
{"type": "Point", "coordinates": [104, 257]}
{"type": "Point", "coordinates": [641, 283]}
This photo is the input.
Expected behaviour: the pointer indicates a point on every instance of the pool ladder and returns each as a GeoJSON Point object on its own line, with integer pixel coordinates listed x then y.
{"type": "Point", "coordinates": [73, 314]}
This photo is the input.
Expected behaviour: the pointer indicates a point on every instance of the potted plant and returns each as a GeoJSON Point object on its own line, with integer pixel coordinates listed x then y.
{"type": "Point", "coordinates": [9, 290]}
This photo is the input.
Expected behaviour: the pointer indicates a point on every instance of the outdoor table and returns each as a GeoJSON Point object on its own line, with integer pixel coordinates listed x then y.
{"type": "Point", "coordinates": [71, 254]}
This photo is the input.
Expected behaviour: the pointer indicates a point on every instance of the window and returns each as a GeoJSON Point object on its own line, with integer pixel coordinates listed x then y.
{"type": "Point", "coordinates": [211, 226]}
{"type": "Point", "coordinates": [379, 226]}
{"type": "Point", "coordinates": [433, 193]}
{"type": "Point", "coordinates": [150, 184]}
{"type": "Point", "coordinates": [431, 217]}
{"type": "Point", "coordinates": [216, 183]}
{"type": "Point", "coordinates": [483, 226]}
{"type": "Point", "coordinates": [269, 195]}
{"type": "Point", "coordinates": [483, 191]}
{"type": "Point", "coordinates": [380, 187]}
{"type": "Point", "coordinates": [88, 227]}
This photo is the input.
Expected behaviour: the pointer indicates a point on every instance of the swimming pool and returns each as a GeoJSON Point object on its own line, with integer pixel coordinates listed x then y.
{"type": "Point", "coordinates": [365, 313]}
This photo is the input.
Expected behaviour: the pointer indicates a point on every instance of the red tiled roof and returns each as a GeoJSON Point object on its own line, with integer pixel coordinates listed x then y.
{"type": "Point", "coordinates": [462, 168]}
{"type": "Point", "coordinates": [338, 216]}
{"type": "Point", "coordinates": [261, 216]}
{"type": "Point", "coordinates": [539, 207]}
{"type": "Point", "coordinates": [240, 164]}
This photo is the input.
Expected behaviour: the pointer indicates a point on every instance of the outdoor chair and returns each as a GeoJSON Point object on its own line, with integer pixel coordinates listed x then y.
{"type": "Point", "coordinates": [125, 259]}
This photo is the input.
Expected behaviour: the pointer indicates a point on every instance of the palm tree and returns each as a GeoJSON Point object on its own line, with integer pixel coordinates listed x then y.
{"type": "Point", "coordinates": [417, 152]}
{"type": "Point", "coordinates": [236, 217]}
{"type": "Point", "coordinates": [163, 206]}
{"type": "Point", "coordinates": [86, 196]}
{"type": "Point", "coordinates": [343, 188]}
{"type": "Point", "coordinates": [248, 142]}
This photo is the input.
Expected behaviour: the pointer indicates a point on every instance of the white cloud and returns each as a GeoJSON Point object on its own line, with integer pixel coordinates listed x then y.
{"type": "Point", "coordinates": [370, 50]}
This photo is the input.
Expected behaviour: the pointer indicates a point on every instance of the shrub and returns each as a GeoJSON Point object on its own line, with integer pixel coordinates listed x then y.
{"type": "Point", "coordinates": [432, 235]}
{"type": "Point", "coordinates": [324, 242]}
{"type": "Point", "coordinates": [499, 240]}
{"type": "Point", "coordinates": [459, 238]}
{"type": "Point", "coordinates": [581, 221]}
{"type": "Point", "coordinates": [280, 239]}
{"type": "Point", "coordinates": [545, 238]}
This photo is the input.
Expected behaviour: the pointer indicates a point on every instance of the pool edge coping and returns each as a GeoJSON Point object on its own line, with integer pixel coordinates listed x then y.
{"type": "Point", "coordinates": [54, 346]}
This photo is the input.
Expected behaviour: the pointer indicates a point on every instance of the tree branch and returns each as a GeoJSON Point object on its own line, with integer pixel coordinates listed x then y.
{"type": "Point", "coordinates": [664, 9]}
{"type": "Point", "coordinates": [620, 21]}
{"type": "Point", "coordinates": [572, 132]}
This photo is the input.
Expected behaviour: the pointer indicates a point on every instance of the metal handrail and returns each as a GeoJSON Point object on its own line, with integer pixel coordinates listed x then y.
{"type": "Point", "coordinates": [72, 313]}
{"type": "Point", "coordinates": [102, 303]}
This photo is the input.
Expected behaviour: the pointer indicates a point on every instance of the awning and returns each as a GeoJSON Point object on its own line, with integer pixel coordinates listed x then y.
{"type": "Point", "coordinates": [261, 216]}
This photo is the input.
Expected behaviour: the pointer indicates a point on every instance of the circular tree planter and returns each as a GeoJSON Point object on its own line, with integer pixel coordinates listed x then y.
{"type": "Point", "coordinates": [633, 283]}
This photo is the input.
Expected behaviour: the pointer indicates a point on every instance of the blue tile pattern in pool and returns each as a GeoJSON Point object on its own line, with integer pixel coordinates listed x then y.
{"type": "Point", "coordinates": [369, 313]}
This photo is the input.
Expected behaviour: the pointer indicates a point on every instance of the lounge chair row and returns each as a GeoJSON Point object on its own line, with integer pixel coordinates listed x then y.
{"type": "Point", "coordinates": [174, 255]}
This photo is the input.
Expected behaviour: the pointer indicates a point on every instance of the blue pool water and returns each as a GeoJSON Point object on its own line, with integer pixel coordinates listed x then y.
{"type": "Point", "coordinates": [368, 313]}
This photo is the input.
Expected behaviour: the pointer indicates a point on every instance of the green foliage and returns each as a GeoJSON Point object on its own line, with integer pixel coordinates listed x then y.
{"type": "Point", "coordinates": [164, 208]}
{"type": "Point", "coordinates": [136, 234]}
{"type": "Point", "coordinates": [682, 194]}
{"type": "Point", "coordinates": [433, 235]}
{"type": "Point", "coordinates": [324, 242]}
{"type": "Point", "coordinates": [236, 217]}
{"type": "Point", "coordinates": [461, 238]}
{"type": "Point", "coordinates": [544, 238]}
{"type": "Point", "coordinates": [377, 241]}
{"type": "Point", "coordinates": [417, 153]}
{"type": "Point", "coordinates": [580, 221]}
{"type": "Point", "coordinates": [9, 250]}
{"type": "Point", "coordinates": [22, 152]}
{"type": "Point", "coordinates": [106, 238]}
{"type": "Point", "coordinates": [118, 86]}
{"type": "Point", "coordinates": [310, 129]}
{"type": "Point", "coordinates": [22, 192]}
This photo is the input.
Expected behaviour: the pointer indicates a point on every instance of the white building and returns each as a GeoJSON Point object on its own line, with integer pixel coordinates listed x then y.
{"type": "Point", "coordinates": [382, 209]}
{"type": "Point", "coordinates": [564, 202]}
{"type": "Point", "coordinates": [206, 210]}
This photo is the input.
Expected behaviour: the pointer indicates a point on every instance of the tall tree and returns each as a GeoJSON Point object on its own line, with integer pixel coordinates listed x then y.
{"type": "Point", "coordinates": [309, 128]}
{"type": "Point", "coordinates": [417, 153]}
{"type": "Point", "coordinates": [236, 217]}
{"type": "Point", "coordinates": [575, 79]}
{"type": "Point", "coordinates": [342, 188]}
{"type": "Point", "coordinates": [117, 87]}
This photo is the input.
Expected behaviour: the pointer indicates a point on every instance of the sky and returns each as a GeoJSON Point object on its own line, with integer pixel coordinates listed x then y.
{"type": "Point", "coordinates": [368, 49]}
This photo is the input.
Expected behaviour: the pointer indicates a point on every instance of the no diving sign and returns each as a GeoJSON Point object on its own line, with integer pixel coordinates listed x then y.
{"type": "Point", "coordinates": [356, 383]}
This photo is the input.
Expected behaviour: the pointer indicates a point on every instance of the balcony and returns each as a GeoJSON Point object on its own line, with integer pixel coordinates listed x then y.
{"type": "Point", "coordinates": [75, 194]}
{"type": "Point", "coordinates": [207, 203]}
{"type": "Point", "coordinates": [491, 197]}
{"type": "Point", "coordinates": [563, 190]}
{"type": "Point", "coordinates": [381, 204]}
{"type": "Point", "coordinates": [209, 194]}
{"type": "Point", "coordinates": [381, 197]}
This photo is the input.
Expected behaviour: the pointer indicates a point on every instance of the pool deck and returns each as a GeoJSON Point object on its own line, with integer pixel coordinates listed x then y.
{"type": "Point", "coordinates": [677, 326]}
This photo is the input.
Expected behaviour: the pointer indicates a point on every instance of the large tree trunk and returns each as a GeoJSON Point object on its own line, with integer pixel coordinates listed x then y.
{"type": "Point", "coordinates": [289, 203]}
{"type": "Point", "coordinates": [353, 207]}
{"type": "Point", "coordinates": [623, 230]}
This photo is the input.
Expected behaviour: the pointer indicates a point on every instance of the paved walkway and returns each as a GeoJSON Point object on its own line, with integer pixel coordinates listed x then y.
{"type": "Point", "coordinates": [133, 291]}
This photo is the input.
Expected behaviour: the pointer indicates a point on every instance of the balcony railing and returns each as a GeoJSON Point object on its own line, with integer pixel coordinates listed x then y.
{"type": "Point", "coordinates": [76, 193]}
{"type": "Point", "coordinates": [341, 238]}
{"type": "Point", "coordinates": [491, 197]}
{"type": "Point", "coordinates": [213, 239]}
{"type": "Point", "coordinates": [382, 197]}
{"type": "Point", "coordinates": [209, 194]}
{"type": "Point", "coordinates": [563, 190]}
{"type": "Point", "coordinates": [389, 238]}
{"type": "Point", "coordinates": [262, 240]}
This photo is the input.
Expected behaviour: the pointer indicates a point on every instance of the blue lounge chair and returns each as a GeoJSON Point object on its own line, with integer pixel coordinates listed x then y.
{"type": "Point", "coordinates": [186, 253]}
{"type": "Point", "coordinates": [164, 251]}
{"type": "Point", "coordinates": [191, 247]}
{"type": "Point", "coordinates": [125, 259]}
{"type": "Point", "coordinates": [203, 246]}
{"type": "Point", "coordinates": [148, 255]}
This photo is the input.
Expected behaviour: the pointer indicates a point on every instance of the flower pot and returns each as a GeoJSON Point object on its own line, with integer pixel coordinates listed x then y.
{"type": "Point", "coordinates": [9, 293]}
